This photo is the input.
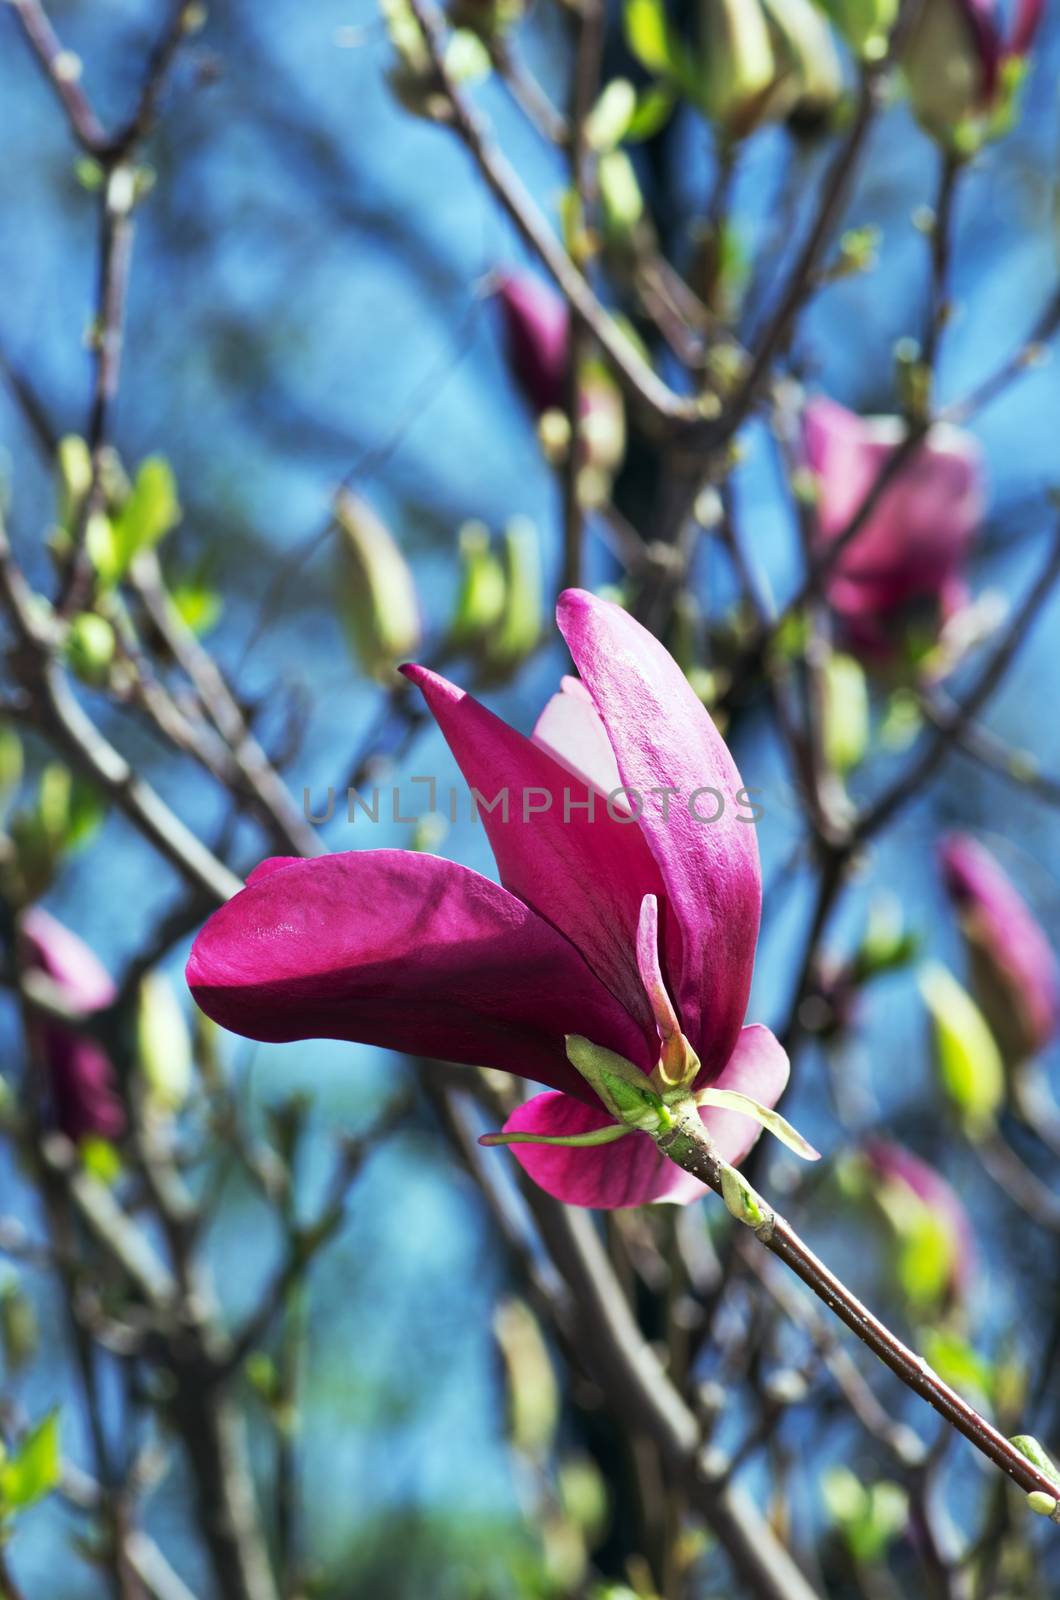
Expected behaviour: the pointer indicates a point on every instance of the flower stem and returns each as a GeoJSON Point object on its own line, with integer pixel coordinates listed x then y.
{"type": "Point", "coordinates": [689, 1144]}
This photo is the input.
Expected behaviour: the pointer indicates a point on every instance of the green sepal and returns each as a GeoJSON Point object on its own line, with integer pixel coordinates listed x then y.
{"type": "Point", "coordinates": [741, 1201]}
{"type": "Point", "coordinates": [621, 1086]}
{"type": "Point", "coordinates": [778, 1126]}
{"type": "Point", "coordinates": [569, 1141]}
{"type": "Point", "coordinates": [1028, 1446]}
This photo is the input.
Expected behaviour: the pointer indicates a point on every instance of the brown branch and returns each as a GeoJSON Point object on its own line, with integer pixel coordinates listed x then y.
{"type": "Point", "coordinates": [654, 397]}
{"type": "Point", "coordinates": [587, 65]}
{"type": "Point", "coordinates": [62, 70]}
{"type": "Point", "coordinates": [689, 1144]}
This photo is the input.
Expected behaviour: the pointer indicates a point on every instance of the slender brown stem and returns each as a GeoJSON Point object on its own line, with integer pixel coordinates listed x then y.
{"type": "Point", "coordinates": [689, 1144]}
{"type": "Point", "coordinates": [582, 175]}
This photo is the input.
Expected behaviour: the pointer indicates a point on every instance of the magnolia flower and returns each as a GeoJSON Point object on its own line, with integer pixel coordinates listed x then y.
{"type": "Point", "coordinates": [902, 1171]}
{"type": "Point", "coordinates": [1016, 976]}
{"type": "Point", "coordinates": [605, 911]}
{"type": "Point", "coordinates": [912, 551]}
{"type": "Point", "coordinates": [81, 1082]}
{"type": "Point", "coordinates": [956, 60]}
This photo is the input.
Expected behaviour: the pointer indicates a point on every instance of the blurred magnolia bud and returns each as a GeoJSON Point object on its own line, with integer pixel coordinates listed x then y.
{"type": "Point", "coordinates": [533, 1398]}
{"type": "Point", "coordinates": [809, 76]}
{"type": "Point", "coordinates": [931, 1225]}
{"type": "Point", "coordinates": [376, 592]}
{"type": "Point", "coordinates": [480, 598]}
{"type": "Point", "coordinates": [81, 1082]}
{"type": "Point", "coordinates": [1015, 974]}
{"type": "Point", "coordinates": [163, 1043]}
{"type": "Point", "coordinates": [621, 202]}
{"type": "Point", "coordinates": [966, 1055]}
{"type": "Point", "coordinates": [537, 339]}
{"type": "Point", "coordinates": [865, 24]}
{"type": "Point", "coordinates": [486, 18]}
{"type": "Point", "coordinates": [11, 763]}
{"type": "Point", "coordinates": [518, 630]}
{"type": "Point", "coordinates": [19, 1333]}
{"type": "Point", "coordinates": [962, 72]}
{"type": "Point", "coordinates": [64, 814]}
{"type": "Point", "coordinates": [413, 78]}
{"type": "Point", "coordinates": [90, 646]}
{"type": "Point", "coordinates": [739, 67]}
{"type": "Point", "coordinates": [73, 464]}
{"type": "Point", "coordinates": [845, 713]}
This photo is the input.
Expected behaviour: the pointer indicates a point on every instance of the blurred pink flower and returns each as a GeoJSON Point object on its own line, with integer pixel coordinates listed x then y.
{"type": "Point", "coordinates": [893, 1163]}
{"type": "Point", "coordinates": [1016, 976]}
{"type": "Point", "coordinates": [537, 333]}
{"type": "Point", "coordinates": [914, 546]}
{"type": "Point", "coordinates": [414, 953]}
{"type": "Point", "coordinates": [82, 1086]}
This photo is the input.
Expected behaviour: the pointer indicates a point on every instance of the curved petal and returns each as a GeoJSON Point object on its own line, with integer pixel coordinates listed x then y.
{"type": "Point", "coordinates": [757, 1067]}
{"type": "Point", "coordinates": [663, 739]}
{"type": "Point", "coordinates": [586, 873]}
{"type": "Point", "coordinates": [570, 730]}
{"type": "Point", "coordinates": [405, 951]}
{"type": "Point", "coordinates": [630, 1172]}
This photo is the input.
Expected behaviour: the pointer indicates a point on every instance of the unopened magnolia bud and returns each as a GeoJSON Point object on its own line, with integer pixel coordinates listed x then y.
{"type": "Point", "coordinates": [537, 337]}
{"type": "Point", "coordinates": [810, 78]}
{"type": "Point", "coordinates": [864, 24]}
{"type": "Point", "coordinates": [74, 472]}
{"type": "Point", "coordinates": [968, 1060]}
{"type": "Point", "coordinates": [90, 647]}
{"type": "Point", "coordinates": [486, 18]}
{"type": "Point", "coordinates": [376, 591]}
{"type": "Point", "coordinates": [163, 1043]}
{"type": "Point", "coordinates": [480, 598]}
{"type": "Point", "coordinates": [1015, 974]}
{"type": "Point", "coordinates": [739, 68]}
{"type": "Point", "coordinates": [518, 630]}
{"type": "Point", "coordinates": [962, 72]}
{"type": "Point", "coordinates": [19, 1333]}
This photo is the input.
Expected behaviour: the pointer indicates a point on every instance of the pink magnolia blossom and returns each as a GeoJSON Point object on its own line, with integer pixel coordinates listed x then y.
{"type": "Point", "coordinates": [414, 953]}
{"type": "Point", "coordinates": [82, 1087]}
{"type": "Point", "coordinates": [912, 551]}
{"type": "Point", "coordinates": [893, 1163]}
{"type": "Point", "coordinates": [1015, 972]}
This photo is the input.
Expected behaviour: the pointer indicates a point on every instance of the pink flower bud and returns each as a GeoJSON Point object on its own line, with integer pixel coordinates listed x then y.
{"type": "Point", "coordinates": [893, 1164]}
{"type": "Point", "coordinates": [537, 332]}
{"type": "Point", "coordinates": [909, 558]}
{"type": "Point", "coordinates": [81, 1083]}
{"type": "Point", "coordinates": [1015, 974]}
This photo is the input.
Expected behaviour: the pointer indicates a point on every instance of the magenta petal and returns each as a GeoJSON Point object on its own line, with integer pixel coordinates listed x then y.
{"type": "Point", "coordinates": [587, 878]}
{"type": "Point", "coordinates": [570, 729]}
{"type": "Point", "coordinates": [757, 1067]}
{"type": "Point", "coordinates": [664, 739]}
{"type": "Point", "coordinates": [405, 951]}
{"type": "Point", "coordinates": [630, 1172]}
